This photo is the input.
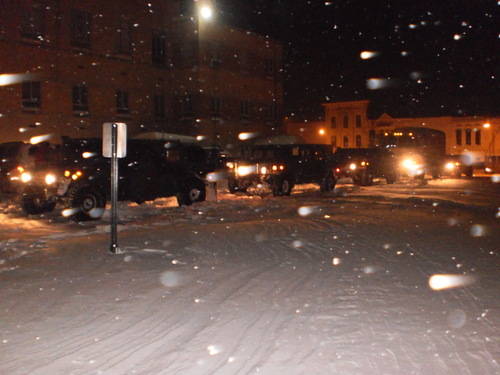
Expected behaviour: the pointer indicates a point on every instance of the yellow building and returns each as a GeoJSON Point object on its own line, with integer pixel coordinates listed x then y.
{"type": "Point", "coordinates": [346, 124]}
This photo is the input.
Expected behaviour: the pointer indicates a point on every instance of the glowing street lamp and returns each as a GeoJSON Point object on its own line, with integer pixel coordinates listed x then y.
{"type": "Point", "coordinates": [321, 131]}
{"type": "Point", "coordinates": [206, 12]}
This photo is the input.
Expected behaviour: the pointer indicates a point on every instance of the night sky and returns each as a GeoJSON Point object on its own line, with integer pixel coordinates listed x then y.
{"type": "Point", "coordinates": [436, 57]}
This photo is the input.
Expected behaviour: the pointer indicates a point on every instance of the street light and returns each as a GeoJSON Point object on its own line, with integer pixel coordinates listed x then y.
{"type": "Point", "coordinates": [206, 12]}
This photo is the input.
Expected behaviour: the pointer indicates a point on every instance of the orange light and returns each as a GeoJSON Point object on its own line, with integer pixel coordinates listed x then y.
{"type": "Point", "coordinates": [321, 131]}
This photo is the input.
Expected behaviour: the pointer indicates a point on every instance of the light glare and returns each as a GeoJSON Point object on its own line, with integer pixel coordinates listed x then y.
{"type": "Point", "coordinates": [448, 281]}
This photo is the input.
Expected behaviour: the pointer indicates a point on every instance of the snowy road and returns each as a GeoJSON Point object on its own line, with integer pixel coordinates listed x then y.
{"type": "Point", "coordinates": [307, 284]}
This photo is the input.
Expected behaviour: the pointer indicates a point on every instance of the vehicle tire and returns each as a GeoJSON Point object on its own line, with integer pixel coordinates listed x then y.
{"type": "Point", "coordinates": [88, 202]}
{"type": "Point", "coordinates": [391, 178]}
{"type": "Point", "coordinates": [33, 203]}
{"type": "Point", "coordinates": [192, 191]}
{"type": "Point", "coordinates": [282, 186]}
{"type": "Point", "coordinates": [232, 186]}
{"type": "Point", "coordinates": [469, 172]}
{"type": "Point", "coordinates": [328, 184]}
{"type": "Point", "coordinates": [366, 179]}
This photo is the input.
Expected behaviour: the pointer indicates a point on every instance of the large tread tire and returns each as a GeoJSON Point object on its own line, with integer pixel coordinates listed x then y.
{"type": "Point", "coordinates": [328, 184]}
{"type": "Point", "coordinates": [34, 203]}
{"type": "Point", "coordinates": [366, 179]}
{"type": "Point", "coordinates": [232, 186]}
{"type": "Point", "coordinates": [391, 178]}
{"type": "Point", "coordinates": [89, 203]}
{"type": "Point", "coordinates": [282, 186]}
{"type": "Point", "coordinates": [193, 191]}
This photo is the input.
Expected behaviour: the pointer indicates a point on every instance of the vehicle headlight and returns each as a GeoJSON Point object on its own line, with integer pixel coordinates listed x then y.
{"type": "Point", "coordinates": [230, 164]}
{"type": "Point", "coordinates": [263, 170]}
{"type": "Point", "coordinates": [50, 178]}
{"type": "Point", "coordinates": [409, 164]}
{"type": "Point", "coordinates": [450, 166]}
{"type": "Point", "coordinates": [26, 177]}
{"type": "Point", "coordinates": [244, 170]}
{"type": "Point", "coordinates": [76, 175]}
{"type": "Point", "coordinates": [352, 166]}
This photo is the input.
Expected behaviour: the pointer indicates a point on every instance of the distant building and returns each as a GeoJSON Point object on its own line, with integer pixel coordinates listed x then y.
{"type": "Point", "coordinates": [346, 124]}
{"type": "Point", "coordinates": [154, 65]}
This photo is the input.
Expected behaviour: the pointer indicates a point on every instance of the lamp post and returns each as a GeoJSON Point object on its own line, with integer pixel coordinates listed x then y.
{"type": "Point", "coordinates": [205, 12]}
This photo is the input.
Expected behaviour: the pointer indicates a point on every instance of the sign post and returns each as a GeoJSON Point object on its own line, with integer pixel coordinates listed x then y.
{"type": "Point", "coordinates": [114, 146]}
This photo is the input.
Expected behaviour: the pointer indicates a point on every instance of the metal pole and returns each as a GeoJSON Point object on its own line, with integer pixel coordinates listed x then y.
{"type": "Point", "coordinates": [114, 189]}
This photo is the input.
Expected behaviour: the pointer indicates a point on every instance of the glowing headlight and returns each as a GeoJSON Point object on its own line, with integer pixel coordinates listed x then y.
{"type": "Point", "coordinates": [352, 166]}
{"type": "Point", "coordinates": [263, 170]}
{"type": "Point", "coordinates": [50, 179]}
{"type": "Point", "coordinates": [244, 170]}
{"type": "Point", "coordinates": [450, 166]}
{"type": "Point", "coordinates": [230, 164]}
{"type": "Point", "coordinates": [26, 177]}
{"type": "Point", "coordinates": [67, 173]}
{"type": "Point", "coordinates": [409, 164]}
{"type": "Point", "coordinates": [76, 175]}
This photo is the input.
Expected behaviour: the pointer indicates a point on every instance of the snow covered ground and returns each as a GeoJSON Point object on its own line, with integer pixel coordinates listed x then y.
{"type": "Point", "coordinates": [380, 280]}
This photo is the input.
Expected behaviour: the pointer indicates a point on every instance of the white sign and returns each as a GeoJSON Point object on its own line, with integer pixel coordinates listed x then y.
{"type": "Point", "coordinates": [121, 139]}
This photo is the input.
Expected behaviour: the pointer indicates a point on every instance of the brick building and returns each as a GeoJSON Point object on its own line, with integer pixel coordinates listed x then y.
{"type": "Point", "coordinates": [154, 65]}
{"type": "Point", "coordinates": [346, 124]}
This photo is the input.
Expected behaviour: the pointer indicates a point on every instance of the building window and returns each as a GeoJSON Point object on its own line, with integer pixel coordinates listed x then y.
{"type": "Point", "coordinates": [185, 7]}
{"type": "Point", "coordinates": [33, 23]}
{"type": "Point", "coordinates": [371, 136]}
{"type": "Point", "coordinates": [187, 106]}
{"type": "Point", "coordinates": [468, 137]}
{"type": "Point", "coordinates": [158, 50]}
{"type": "Point", "coordinates": [334, 140]}
{"type": "Point", "coordinates": [346, 121]}
{"type": "Point", "coordinates": [333, 122]}
{"type": "Point", "coordinates": [123, 44]}
{"type": "Point", "coordinates": [80, 98]}
{"type": "Point", "coordinates": [80, 28]}
{"type": "Point", "coordinates": [215, 106]}
{"type": "Point", "coordinates": [358, 121]}
{"type": "Point", "coordinates": [122, 102]}
{"type": "Point", "coordinates": [346, 141]}
{"type": "Point", "coordinates": [478, 136]}
{"type": "Point", "coordinates": [458, 137]}
{"type": "Point", "coordinates": [214, 59]}
{"type": "Point", "coordinates": [159, 106]}
{"type": "Point", "coordinates": [31, 95]}
{"type": "Point", "coordinates": [358, 141]}
{"type": "Point", "coordinates": [244, 112]}
{"type": "Point", "coordinates": [269, 67]}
